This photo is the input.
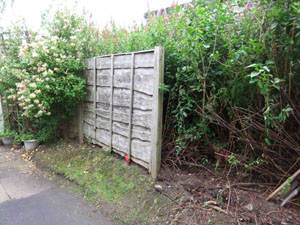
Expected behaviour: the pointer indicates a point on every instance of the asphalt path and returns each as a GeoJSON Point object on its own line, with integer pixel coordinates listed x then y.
{"type": "Point", "coordinates": [27, 197]}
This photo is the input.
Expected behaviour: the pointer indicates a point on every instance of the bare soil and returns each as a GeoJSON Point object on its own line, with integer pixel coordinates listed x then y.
{"type": "Point", "coordinates": [203, 198]}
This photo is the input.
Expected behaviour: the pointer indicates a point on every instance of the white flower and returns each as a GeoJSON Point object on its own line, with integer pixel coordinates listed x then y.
{"type": "Point", "coordinates": [21, 54]}
{"type": "Point", "coordinates": [34, 54]}
{"type": "Point", "coordinates": [54, 38]}
{"type": "Point", "coordinates": [32, 95]}
{"type": "Point", "coordinates": [33, 85]}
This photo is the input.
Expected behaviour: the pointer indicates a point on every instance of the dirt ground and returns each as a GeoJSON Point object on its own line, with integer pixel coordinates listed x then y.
{"type": "Point", "coordinates": [191, 195]}
{"type": "Point", "coordinates": [203, 198]}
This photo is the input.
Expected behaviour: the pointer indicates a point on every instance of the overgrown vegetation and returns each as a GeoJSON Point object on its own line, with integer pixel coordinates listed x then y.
{"type": "Point", "coordinates": [231, 83]}
{"type": "Point", "coordinates": [39, 74]}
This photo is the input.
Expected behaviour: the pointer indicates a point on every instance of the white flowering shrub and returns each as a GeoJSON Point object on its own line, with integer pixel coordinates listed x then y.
{"type": "Point", "coordinates": [41, 77]}
{"type": "Point", "coordinates": [31, 92]}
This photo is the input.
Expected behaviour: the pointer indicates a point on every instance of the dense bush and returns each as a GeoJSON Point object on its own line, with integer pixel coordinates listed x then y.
{"type": "Point", "coordinates": [230, 80]}
{"type": "Point", "coordinates": [39, 73]}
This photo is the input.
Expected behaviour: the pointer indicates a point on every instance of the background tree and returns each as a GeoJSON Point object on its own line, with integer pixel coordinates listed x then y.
{"type": "Point", "coordinates": [3, 5]}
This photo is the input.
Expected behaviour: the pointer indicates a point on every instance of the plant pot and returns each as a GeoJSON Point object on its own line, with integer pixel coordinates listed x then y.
{"type": "Point", "coordinates": [30, 145]}
{"type": "Point", "coordinates": [8, 140]}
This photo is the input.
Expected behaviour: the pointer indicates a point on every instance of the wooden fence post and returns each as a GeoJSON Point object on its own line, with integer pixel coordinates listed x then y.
{"type": "Point", "coordinates": [111, 101]}
{"type": "Point", "coordinates": [95, 96]}
{"type": "Point", "coordinates": [80, 111]}
{"type": "Point", "coordinates": [80, 122]}
{"type": "Point", "coordinates": [130, 105]}
{"type": "Point", "coordinates": [156, 138]}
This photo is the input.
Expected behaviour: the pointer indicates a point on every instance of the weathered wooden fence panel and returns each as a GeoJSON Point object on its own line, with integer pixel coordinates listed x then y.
{"type": "Point", "coordinates": [123, 107]}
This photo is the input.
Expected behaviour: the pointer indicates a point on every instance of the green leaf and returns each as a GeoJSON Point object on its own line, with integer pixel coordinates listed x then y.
{"type": "Point", "coordinates": [263, 90]}
{"type": "Point", "coordinates": [254, 74]}
{"type": "Point", "coordinates": [252, 65]}
{"type": "Point", "coordinates": [289, 109]}
{"type": "Point", "coordinates": [266, 68]}
{"type": "Point", "coordinates": [276, 87]}
{"type": "Point", "coordinates": [277, 80]}
{"type": "Point", "coordinates": [267, 141]}
{"type": "Point", "coordinates": [274, 25]}
{"type": "Point", "coordinates": [177, 9]}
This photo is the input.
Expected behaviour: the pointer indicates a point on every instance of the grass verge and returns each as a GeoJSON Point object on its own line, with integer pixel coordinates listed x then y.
{"type": "Point", "coordinates": [123, 191]}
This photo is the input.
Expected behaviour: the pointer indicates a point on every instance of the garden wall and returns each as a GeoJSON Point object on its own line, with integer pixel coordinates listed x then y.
{"type": "Point", "coordinates": [123, 107]}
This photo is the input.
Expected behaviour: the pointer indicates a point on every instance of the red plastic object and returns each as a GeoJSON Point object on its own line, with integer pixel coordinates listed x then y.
{"type": "Point", "coordinates": [127, 159]}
